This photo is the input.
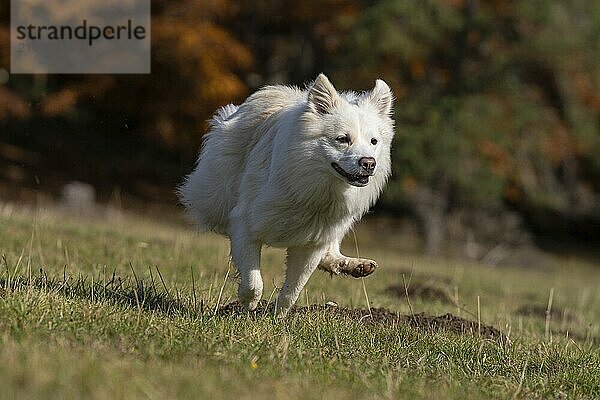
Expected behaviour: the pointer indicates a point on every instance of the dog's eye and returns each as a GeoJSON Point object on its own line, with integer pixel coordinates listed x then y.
{"type": "Point", "coordinates": [373, 141]}
{"type": "Point", "coordinates": [343, 139]}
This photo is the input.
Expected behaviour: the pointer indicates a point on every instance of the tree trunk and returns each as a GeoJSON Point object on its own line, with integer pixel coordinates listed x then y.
{"type": "Point", "coordinates": [431, 206]}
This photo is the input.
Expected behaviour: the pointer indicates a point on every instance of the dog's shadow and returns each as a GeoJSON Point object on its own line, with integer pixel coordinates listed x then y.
{"type": "Point", "coordinates": [128, 292]}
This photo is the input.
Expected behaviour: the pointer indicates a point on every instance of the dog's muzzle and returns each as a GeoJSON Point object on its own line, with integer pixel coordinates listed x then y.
{"type": "Point", "coordinates": [358, 180]}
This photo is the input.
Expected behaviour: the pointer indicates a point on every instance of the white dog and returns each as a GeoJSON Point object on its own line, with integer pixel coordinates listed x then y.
{"type": "Point", "coordinates": [294, 169]}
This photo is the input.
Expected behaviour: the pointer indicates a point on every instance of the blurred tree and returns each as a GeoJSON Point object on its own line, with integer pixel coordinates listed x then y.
{"type": "Point", "coordinates": [200, 63]}
{"type": "Point", "coordinates": [196, 66]}
{"type": "Point", "coordinates": [292, 40]}
{"type": "Point", "coordinates": [497, 101]}
{"type": "Point", "coordinates": [136, 132]}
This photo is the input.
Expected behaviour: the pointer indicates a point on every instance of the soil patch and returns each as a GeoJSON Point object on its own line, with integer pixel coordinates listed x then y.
{"type": "Point", "coordinates": [539, 311]}
{"type": "Point", "coordinates": [421, 291]}
{"type": "Point", "coordinates": [411, 275]}
{"type": "Point", "coordinates": [379, 316]}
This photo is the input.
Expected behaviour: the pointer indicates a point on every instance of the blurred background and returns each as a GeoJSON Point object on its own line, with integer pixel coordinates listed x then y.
{"type": "Point", "coordinates": [497, 147]}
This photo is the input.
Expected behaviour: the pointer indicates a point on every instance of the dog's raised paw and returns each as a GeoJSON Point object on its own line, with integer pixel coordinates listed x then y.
{"type": "Point", "coordinates": [360, 268]}
{"type": "Point", "coordinates": [355, 267]}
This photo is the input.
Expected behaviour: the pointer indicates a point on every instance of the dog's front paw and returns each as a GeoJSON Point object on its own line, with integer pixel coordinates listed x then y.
{"type": "Point", "coordinates": [334, 266]}
{"type": "Point", "coordinates": [360, 267]}
{"type": "Point", "coordinates": [249, 297]}
{"type": "Point", "coordinates": [356, 267]}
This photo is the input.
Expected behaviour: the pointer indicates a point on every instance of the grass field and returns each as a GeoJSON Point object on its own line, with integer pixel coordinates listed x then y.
{"type": "Point", "coordinates": [123, 307]}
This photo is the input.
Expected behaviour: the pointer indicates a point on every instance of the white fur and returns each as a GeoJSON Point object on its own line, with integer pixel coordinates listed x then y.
{"type": "Point", "coordinates": [265, 176]}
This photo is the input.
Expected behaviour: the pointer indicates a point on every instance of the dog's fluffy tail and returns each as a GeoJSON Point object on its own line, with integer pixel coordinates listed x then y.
{"type": "Point", "coordinates": [202, 193]}
{"type": "Point", "coordinates": [223, 114]}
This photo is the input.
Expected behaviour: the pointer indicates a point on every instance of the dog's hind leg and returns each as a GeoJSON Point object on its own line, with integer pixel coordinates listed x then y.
{"type": "Point", "coordinates": [301, 262]}
{"type": "Point", "coordinates": [245, 255]}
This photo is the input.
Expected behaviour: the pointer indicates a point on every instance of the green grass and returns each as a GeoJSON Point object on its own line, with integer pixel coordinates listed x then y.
{"type": "Point", "coordinates": [125, 308]}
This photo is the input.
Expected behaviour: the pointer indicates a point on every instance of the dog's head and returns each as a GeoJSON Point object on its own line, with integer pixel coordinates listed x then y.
{"type": "Point", "coordinates": [354, 130]}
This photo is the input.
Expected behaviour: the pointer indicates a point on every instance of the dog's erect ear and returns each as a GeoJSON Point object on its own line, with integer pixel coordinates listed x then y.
{"type": "Point", "coordinates": [381, 97]}
{"type": "Point", "coordinates": [322, 96]}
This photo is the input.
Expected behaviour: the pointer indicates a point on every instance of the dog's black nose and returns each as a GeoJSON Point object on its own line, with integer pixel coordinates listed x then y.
{"type": "Point", "coordinates": [368, 164]}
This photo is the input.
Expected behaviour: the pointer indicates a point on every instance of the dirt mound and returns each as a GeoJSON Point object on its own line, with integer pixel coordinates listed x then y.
{"type": "Point", "coordinates": [420, 291]}
{"type": "Point", "coordinates": [541, 311]}
{"type": "Point", "coordinates": [383, 316]}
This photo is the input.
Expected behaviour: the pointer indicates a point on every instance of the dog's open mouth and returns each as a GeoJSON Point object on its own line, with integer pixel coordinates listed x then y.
{"type": "Point", "coordinates": [359, 180]}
